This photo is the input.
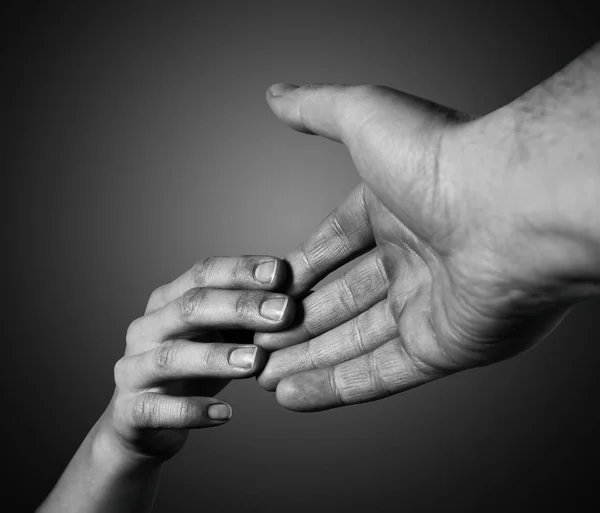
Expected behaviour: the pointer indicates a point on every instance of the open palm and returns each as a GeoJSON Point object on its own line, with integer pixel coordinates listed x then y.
{"type": "Point", "coordinates": [456, 272]}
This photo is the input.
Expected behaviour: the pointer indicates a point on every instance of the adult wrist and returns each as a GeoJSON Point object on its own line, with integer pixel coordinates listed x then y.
{"type": "Point", "coordinates": [548, 191]}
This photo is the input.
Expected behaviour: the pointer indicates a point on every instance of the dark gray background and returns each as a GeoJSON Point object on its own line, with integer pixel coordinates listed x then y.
{"type": "Point", "coordinates": [138, 141]}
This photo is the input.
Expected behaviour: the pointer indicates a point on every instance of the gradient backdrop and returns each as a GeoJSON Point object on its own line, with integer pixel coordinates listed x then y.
{"type": "Point", "coordinates": [139, 141]}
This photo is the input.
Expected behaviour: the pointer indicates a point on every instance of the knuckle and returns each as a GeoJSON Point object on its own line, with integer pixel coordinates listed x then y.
{"type": "Point", "coordinates": [246, 305]}
{"type": "Point", "coordinates": [202, 270]}
{"type": "Point", "coordinates": [312, 323]}
{"type": "Point", "coordinates": [336, 387]}
{"type": "Point", "coordinates": [359, 380]}
{"type": "Point", "coordinates": [268, 341]}
{"type": "Point", "coordinates": [379, 384]}
{"type": "Point", "coordinates": [380, 272]}
{"type": "Point", "coordinates": [186, 412]}
{"type": "Point", "coordinates": [399, 368]}
{"type": "Point", "coordinates": [313, 86]}
{"type": "Point", "coordinates": [356, 336]}
{"type": "Point", "coordinates": [269, 378]}
{"type": "Point", "coordinates": [208, 357]}
{"type": "Point", "coordinates": [157, 296]}
{"type": "Point", "coordinates": [347, 295]}
{"type": "Point", "coordinates": [165, 356]}
{"type": "Point", "coordinates": [363, 91]}
{"type": "Point", "coordinates": [134, 331]}
{"type": "Point", "coordinates": [146, 411]}
{"type": "Point", "coordinates": [192, 302]}
{"type": "Point", "coordinates": [356, 101]}
{"type": "Point", "coordinates": [241, 270]}
{"type": "Point", "coordinates": [388, 315]}
{"type": "Point", "coordinates": [316, 355]}
{"type": "Point", "coordinates": [340, 233]}
{"type": "Point", "coordinates": [306, 256]}
{"type": "Point", "coordinates": [120, 371]}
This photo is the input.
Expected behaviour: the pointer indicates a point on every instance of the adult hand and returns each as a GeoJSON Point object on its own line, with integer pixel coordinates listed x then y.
{"type": "Point", "coordinates": [176, 360]}
{"type": "Point", "coordinates": [481, 233]}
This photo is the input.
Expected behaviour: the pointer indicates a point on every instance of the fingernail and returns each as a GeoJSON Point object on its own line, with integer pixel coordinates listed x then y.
{"type": "Point", "coordinates": [219, 411]}
{"type": "Point", "coordinates": [243, 357]}
{"type": "Point", "coordinates": [281, 89]}
{"type": "Point", "coordinates": [274, 309]}
{"type": "Point", "coordinates": [265, 272]}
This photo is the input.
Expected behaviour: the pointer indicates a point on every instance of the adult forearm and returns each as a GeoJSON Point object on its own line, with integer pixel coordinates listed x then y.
{"type": "Point", "coordinates": [103, 478]}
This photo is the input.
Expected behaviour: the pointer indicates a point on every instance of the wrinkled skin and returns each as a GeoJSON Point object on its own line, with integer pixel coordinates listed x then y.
{"type": "Point", "coordinates": [472, 258]}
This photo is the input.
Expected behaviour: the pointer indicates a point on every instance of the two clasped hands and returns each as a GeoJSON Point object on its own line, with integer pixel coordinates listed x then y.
{"type": "Point", "coordinates": [472, 239]}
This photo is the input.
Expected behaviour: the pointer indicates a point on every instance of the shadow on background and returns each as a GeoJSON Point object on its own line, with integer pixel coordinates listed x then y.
{"type": "Point", "coordinates": [140, 142]}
